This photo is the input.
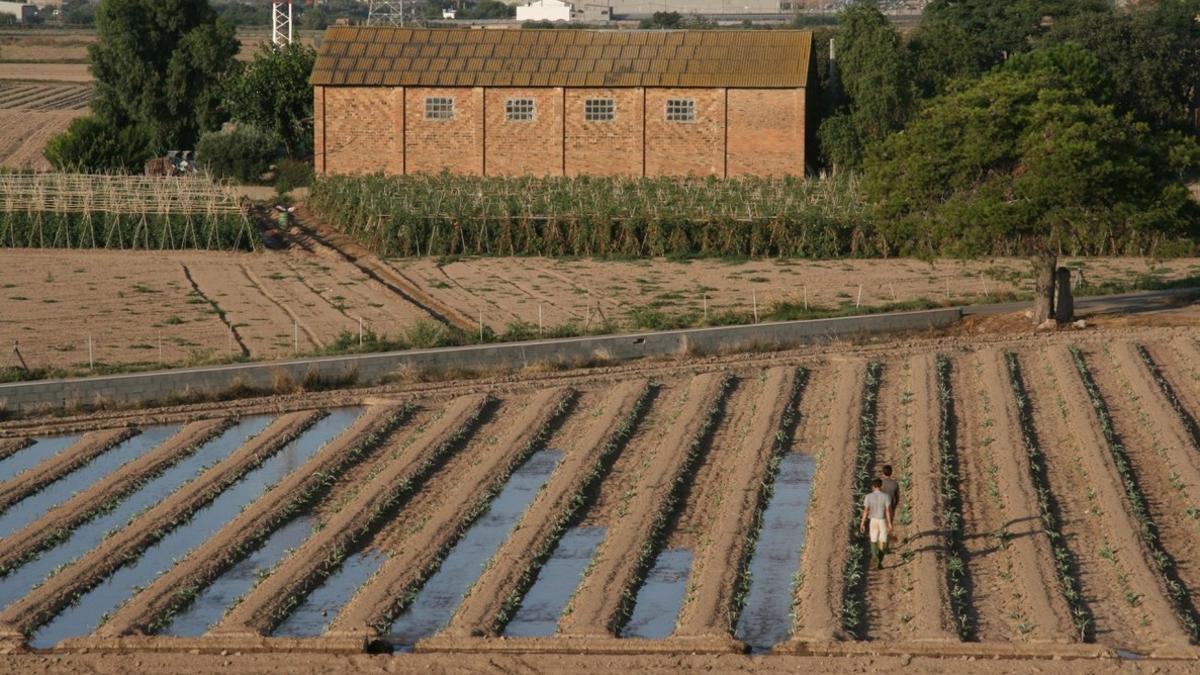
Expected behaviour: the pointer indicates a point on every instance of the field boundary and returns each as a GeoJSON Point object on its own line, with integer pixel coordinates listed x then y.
{"type": "Point", "coordinates": [365, 369]}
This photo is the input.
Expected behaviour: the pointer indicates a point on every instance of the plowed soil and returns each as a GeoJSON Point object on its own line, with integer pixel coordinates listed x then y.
{"type": "Point", "coordinates": [1016, 611]}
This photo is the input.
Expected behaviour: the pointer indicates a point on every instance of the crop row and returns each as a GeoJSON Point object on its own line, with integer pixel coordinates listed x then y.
{"type": "Point", "coordinates": [316, 486]}
{"type": "Point", "coordinates": [126, 230]}
{"type": "Point", "coordinates": [1064, 561]}
{"type": "Point", "coordinates": [855, 573]}
{"type": "Point", "coordinates": [783, 435]}
{"type": "Point", "coordinates": [481, 505]}
{"type": "Point", "coordinates": [446, 215]}
{"type": "Point", "coordinates": [113, 499]}
{"type": "Point", "coordinates": [583, 498]}
{"type": "Point", "coordinates": [951, 503]}
{"type": "Point", "coordinates": [1185, 417]}
{"type": "Point", "coordinates": [1138, 504]}
{"type": "Point", "coordinates": [667, 510]}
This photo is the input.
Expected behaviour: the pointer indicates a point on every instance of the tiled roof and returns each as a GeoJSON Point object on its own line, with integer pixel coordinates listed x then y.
{"type": "Point", "coordinates": [464, 57]}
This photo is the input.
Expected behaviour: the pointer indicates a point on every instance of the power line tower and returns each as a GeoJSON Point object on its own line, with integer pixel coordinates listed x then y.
{"type": "Point", "coordinates": [386, 13]}
{"type": "Point", "coordinates": [281, 23]}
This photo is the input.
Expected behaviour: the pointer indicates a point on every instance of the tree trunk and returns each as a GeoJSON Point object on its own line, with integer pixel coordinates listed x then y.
{"type": "Point", "coordinates": [1043, 294]}
{"type": "Point", "coordinates": [1064, 306]}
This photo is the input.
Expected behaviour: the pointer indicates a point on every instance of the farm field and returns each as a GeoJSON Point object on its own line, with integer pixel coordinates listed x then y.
{"type": "Point", "coordinates": [33, 112]}
{"type": "Point", "coordinates": [205, 306]}
{"type": "Point", "coordinates": [1048, 489]}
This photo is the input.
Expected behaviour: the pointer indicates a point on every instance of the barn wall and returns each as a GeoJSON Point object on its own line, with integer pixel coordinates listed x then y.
{"type": "Point", "coordinates": [525, 148]}
{"type": "Point", "coordinates": [766, 132]}
{"type": "Point", "coordinates": [384, 129]}
{"type": "Point", "coordinates": [605, 148]}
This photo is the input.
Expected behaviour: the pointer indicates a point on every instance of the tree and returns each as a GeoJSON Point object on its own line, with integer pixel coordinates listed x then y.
{"type": "Point", "coordinates": [873, 83]}
{"type": "Point", "coordinates": [160, 65]}
{"type": "Point", "coordinates": [966, 38]}
{"type": "Point", "coordinates": [1032, 159]}
{"type": "Point", "coordinates": [1152, 55]}
{"type": "Point", "coordinates": [94, 144]}
{"type": "Point", "coordinates": [272, 92]}
{"type": "Point", "coordinates": [662, 20]}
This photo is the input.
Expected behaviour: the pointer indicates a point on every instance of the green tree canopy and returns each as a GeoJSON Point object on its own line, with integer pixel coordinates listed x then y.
{"type": "Point", "coordinates": [875, 95]}
{"type": "Point", "coordinates": [1031, 159]}
{"type": "Point", "coordinates": [160, 65]}
{"type": "Point", "coordinates": [272, 92]}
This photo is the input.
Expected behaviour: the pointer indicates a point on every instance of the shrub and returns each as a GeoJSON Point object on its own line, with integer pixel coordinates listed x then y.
{"type": "Point", "coordinates": [243, 154]}
{"type": "Point", "coordinates": [291, 174]}
{"type": "Point", "coordinates": [94, 145]}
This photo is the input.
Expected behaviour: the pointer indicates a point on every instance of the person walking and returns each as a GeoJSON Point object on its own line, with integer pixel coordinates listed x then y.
{"type": "Point", "coordinates": [891, 488]}
{"type": "Point", "coordinates": [877, 509]}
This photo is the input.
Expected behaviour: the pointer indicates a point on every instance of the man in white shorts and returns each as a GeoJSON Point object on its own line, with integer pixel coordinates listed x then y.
{"type": "Point", "coordinates": [877, 509]}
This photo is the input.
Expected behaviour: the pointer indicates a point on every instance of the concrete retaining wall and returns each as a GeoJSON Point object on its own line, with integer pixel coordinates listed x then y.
{"type": "Point", "coordinates": [365, 369]}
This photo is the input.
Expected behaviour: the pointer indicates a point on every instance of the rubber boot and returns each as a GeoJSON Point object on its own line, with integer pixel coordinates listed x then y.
{"type": "Point", "coordinates": [882, 552]}
{"type": "Point", "coordinates": [876, 555]}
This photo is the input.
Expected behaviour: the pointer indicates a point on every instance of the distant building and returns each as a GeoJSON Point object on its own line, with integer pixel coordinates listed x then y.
{"type": "Point", "coordinates": [544, 10]}
{"type": "Point", "coordinates": [450, 13]}
{"type": "Point", "coordinates": [23, 11]}
{"type": "Point", "coordinates": [562, 102]}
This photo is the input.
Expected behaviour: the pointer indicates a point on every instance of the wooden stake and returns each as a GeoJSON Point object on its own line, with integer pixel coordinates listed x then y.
{"type": "Point", "coordinates": [295, 336]}
{"type": "Point", "coordinates": [160, 358]}
{"type": "Point", "coordinates": [706, 307]}
{"type": "Point", "coordinates": [360, 332]}
{"type": "Point", "coordinates": [754, 300]}
{"type": "Point", "coordinates": [858, 302]}
{"type": "Point", "coordinates": [481, 325]}
{"type": "Point", "coordinates": [893, 292]}
{"type": "Point", "coordinates": [540, 333]}
{"type": "Point", "coordinates": [806, 297]}
{"type": "Point", "coordinates": [91, 359]}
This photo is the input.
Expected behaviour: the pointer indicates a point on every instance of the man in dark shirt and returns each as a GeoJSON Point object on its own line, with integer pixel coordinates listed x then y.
{"type": "Point", "coordinates": [891, 488]}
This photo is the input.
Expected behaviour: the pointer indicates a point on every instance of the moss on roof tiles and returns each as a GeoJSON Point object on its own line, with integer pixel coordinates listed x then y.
{"type": "Point", "coordinates": [374, 55]}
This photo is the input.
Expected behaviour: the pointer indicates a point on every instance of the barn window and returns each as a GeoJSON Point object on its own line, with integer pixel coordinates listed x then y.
{"type": "Point", "coordinates": [598, 110]}
{"type": "Point", "coordinates": [519, 109]}
{"type": "Point", "coordinates": [681, 110]}
{"type": "Point", "coordinates": [439, 108]}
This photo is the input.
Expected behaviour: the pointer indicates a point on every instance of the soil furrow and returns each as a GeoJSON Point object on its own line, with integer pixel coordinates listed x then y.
{"type": "Point", "coordinates": [887, 614]}
{"type": "Point", "coordinates": [923, 611]}
{"type": "Point", "coordinates": [173, 591]}
{"type": "Point", "coordinates": [9, 446]}
{"type": "Point", "coordinates": [1163, 457]}
{"type": "Point", "coordinates": [43, 603]}
{"type": "Point", "coordinates": [1134, 591]}
{"type": "Point", "coordinates": [515, 564]}
{"type": "Point", "coordinates": [710, 607]}
{"type": "Point", "coordinates": [314, 341]}
{"type": "Point", "coordinates": [1016, 593]}
{"type": "Point", "coordinates": [84, 450]}
{"type": "Point", "coordinates": [376, 603]}
{"type": "Point", "coordinates": [270, 602]}
{"type": "Point", "coordinates": [234, 335]}
{"type": "Point", "coordinates": [60, 520]}
{"type": "Point", "coordinates": [1179, 362]}
{"type": "Point", "coordinates": [821, 581]}
{"type": "Point", "coordinates": [602, 598]}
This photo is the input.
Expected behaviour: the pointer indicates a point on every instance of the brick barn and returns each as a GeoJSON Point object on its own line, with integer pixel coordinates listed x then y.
{"type": "Point", "coordinates": [561, 102]}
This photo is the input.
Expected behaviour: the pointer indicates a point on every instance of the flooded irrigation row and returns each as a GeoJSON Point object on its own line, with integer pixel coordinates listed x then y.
{"type": "Point", "coordinates": [179, 507]}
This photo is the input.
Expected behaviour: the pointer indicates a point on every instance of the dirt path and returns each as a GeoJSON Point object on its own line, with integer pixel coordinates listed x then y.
{"type": "Point", "coordinates": [887, 615]}
{"type": "Point", "coordinates": [918, 593]}
{"type": "Point", "coordinates": [819, 595]}
{"type": "Point", "coordinates": [1095, 516]}
{"type": "Point", "coordinates": [83, 506]}
{"type": "Point", "coordinates": [269, 603]}
{"type": "Point", "coordinates": [87, 448]}
{"type": "Point", "coordinates": [732, 513]}
{"type": "Point", "coordinates": [1164, 458]}
{"type": "Point", "coordinates": [377, 601]}
{"type": "Point", "coordinates": [1016, 595]}
{"type": "Point", "coordinates": [600, 600]}
{"type": "Point", "coordinates": [518, 559]}
{"type": "Point", "coordinates": [239, 537]}
{"type": "Point", "coordinates": [43, 603]}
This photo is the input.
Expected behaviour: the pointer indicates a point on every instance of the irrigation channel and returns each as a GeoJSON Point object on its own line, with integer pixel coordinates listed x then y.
{"type": "Point", "coordinates": [37, 504]}
{"type": "Point", "coordinates": [92, 607]}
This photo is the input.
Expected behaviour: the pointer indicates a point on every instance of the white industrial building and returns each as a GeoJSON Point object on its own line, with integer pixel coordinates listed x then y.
{"type": "Point", "coordinates": [23, 11]}
{"type": "Point", "coordinates": [544, 10]}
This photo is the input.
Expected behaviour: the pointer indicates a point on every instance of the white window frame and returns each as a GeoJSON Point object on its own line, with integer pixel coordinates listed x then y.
{"type": "Point", "coordinates": [439, 108]}
{"type": "Point", "coordinates": [520, 109]}
{"type": "Point", "coordinates": [680, 110]}
{"type": "Point", "coordinates": [599, 109]}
